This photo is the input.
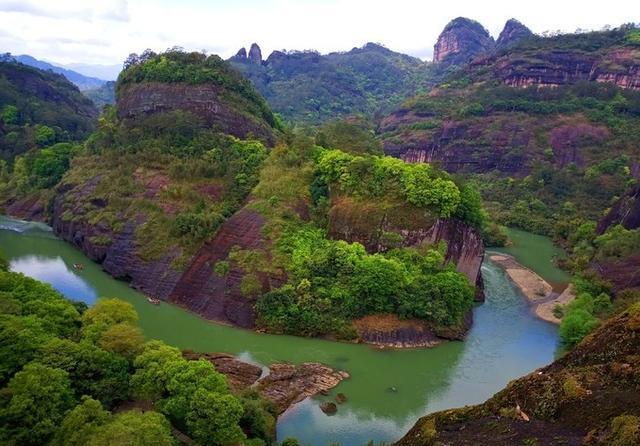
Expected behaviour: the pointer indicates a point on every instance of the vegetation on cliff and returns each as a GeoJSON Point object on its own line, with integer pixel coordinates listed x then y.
{"type": "Point", "coordinates": [544, 159]}
{"type": "Point", "coordinates": [330, 282]}
{"type": "Point", "coordinates": [77, 376]}
{"type": "Point", "coordinates": [177, 66]}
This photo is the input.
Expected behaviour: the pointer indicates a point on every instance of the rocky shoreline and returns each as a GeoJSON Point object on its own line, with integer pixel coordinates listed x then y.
{"type": "Point", "coordinates": [538, 292]}
{"type": "Point", "coordinates": [284, 384]}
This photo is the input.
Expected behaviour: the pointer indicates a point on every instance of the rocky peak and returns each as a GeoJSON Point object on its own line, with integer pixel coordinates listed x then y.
{"type": "Point", "coordinates": [513, 32]}
{"type": "Point", "coordinates": [241, 54]}
{"type": "Point", "coordinates": [460, 41]}
{"type": "Point", "coordinates": [255, 54]}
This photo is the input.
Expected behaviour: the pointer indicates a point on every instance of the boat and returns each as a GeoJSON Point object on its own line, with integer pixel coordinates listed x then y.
{"type": "Point", "coordinates": [78, 266]}
{"type": "Point", "coordinates": [153, 301]}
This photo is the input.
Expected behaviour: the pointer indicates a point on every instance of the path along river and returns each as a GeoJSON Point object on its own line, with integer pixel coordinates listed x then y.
{"type": "Point", "coordinates": [388, 389]}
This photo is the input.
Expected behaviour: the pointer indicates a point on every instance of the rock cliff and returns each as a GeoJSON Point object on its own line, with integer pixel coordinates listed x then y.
{"type": "Point", "coordinates": [205, 101]}
{"type": "Point", "coordinates": [461, 40]}
{"type": "Point", "coordinates": [540, 63]}
{"type": "Point", "coordinates": [374, 228]}
{"type": "Point", "coordinates": [625, 212]}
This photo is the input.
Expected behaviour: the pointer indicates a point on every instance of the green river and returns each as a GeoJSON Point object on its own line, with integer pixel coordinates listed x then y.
{"type": "Point", "coordinates": [506, 342]}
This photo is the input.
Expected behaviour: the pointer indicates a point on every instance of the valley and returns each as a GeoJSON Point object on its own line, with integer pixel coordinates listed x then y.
{"type": "Point", "coordinates": [497, 349]}
{"type": "Point", "coordinates": [317, 248]}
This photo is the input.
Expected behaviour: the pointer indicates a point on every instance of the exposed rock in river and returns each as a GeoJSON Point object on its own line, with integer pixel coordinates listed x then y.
{"type": "Point", "coordinates": [284, 385]}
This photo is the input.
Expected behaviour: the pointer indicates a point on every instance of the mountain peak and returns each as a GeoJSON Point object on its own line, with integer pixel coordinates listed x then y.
{"type": "Point", "coordinates": [513, 32]}
{"type": "Point", "coordinates": [255, 54]}
{"type": "Point", "coordinates": [460, 41]}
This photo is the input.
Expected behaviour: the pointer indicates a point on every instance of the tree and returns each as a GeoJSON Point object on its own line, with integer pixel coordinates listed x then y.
{"type": "Point", "coordinates": [124, 339]}
{"type": "Point", "coordinates": [187, 378]}
{"type": "Point", "coordinates": [81, 423]}
{"type": "Point", "coordinates": [101, 374]}
{"type": "Point", "coordinates": [36, 400]}
{"type": "Point", "coordinates": [213, 418]}
{"type": "Point", "coordinates": [104, 314]}
{"type": "Point", "coordinates": [154, 368]}
{"type": "Point", "coordinates": [110, 312]}
{"type": "Point", "coordinates": [134, 428]}
{"type": "Point", "coordinates": [575, 325]}
{"type": "Point", "coordinates": [20, 339]}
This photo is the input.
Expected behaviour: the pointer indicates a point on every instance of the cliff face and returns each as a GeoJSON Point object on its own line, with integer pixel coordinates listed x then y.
{"type": "Point", "coordinates": [205, 101]}
{"type": "Point", "coordinates": [395, 227]}
{"type": "Point", "coordinates": [217, 297]}
{"type": "Point", "coordinates": [196, 288]}
{"type": "Point", "coordinates": [625, 212]}
{"type": "Point", "coordinates": [589, 396]}
{"type": "Point", "coordinates": [460, 41]}
{"type": "Point", "coordinates": [619, 66]}
{"type": "Point", "coordinates": [506, 142]}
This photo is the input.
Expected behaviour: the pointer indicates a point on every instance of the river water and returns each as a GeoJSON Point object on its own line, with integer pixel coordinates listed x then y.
{"type": "Point", "coordinates": [388, 389]}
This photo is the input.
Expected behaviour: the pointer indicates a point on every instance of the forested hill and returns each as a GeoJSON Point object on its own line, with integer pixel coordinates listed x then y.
{"type": "Point", "coordinates": [39, 108]}
{"type": "Point", "coordinates": [307, 87]}
{"type": "Point", "coordinates": [548, 126]}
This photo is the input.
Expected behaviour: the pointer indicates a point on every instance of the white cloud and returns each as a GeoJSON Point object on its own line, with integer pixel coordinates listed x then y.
{"type": "Point", "coordinates": [105, 31]}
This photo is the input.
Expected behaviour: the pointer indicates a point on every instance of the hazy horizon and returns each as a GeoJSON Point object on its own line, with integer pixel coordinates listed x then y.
{"type": "Point", "coordinates": [105, 32]}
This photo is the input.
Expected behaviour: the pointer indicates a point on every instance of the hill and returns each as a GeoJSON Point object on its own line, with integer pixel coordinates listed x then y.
{"type": "Point", "coordinates": [307, 87]}
{"type": "Point", "coordinates": [547, 126]}
{"type": "Point", "coordinates": [179, 192]}
{"type": "Point", "coordinates": [40, 108]}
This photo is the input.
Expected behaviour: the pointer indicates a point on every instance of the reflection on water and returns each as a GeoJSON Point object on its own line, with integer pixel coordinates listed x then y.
{"type": "Point", "coordinates": [57, 273]}
{"type": "Point", "coordinates": [504, 343]}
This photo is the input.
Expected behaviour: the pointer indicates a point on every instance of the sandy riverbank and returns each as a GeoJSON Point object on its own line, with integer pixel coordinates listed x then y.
{"type": "Point", "coordinates": [538, 291]}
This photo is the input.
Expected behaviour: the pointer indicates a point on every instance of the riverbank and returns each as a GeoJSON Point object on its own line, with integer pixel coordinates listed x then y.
{"type": "Point", "coordinates": [387, 388]}
{"type": "Point", "coordinates": [539, 292]}
{"type": "Point", "coordinates": [284, 384]}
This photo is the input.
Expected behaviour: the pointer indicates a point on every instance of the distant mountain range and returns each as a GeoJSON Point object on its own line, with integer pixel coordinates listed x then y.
{"type": "Point", "coordinates": [83, 82]}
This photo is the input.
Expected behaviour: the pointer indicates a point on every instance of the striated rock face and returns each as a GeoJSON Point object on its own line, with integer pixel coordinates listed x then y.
{"type": "Point", "coordinates": [204, 100]}
{"type": "Point", "coordinates": [119, 258]}
{"type": "Point", "coordinates": [460, 41]}
{"type": "Point", "coordinates": [623, 272]}
{"type": "Point", "coordinates": [197, 288]}
{"type": "Point", "coordinates": [387, 330]}
{"type": "Point", "coordinates": [513, 32]}
{"type": "Point", "coordinates": [255, 54]}
{"type": "Point", "coordinates": [220, 298]}
{"type": "Point", "coordinates": [505, 142]}
{"type": "Point", "coordinates": [552, 68]}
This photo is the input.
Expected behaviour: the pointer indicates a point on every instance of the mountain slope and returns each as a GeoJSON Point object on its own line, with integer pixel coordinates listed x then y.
{"type": "Point", "coordinates": [589, 396]}
{"type": "Point", "coordinates": [81, 81]}
{"type": "Point", "coordinates": [40, 108]}
{"type": "Point", "coordinates": [548, 127]}
{"type": "Point", "coordinates": [309, 87]}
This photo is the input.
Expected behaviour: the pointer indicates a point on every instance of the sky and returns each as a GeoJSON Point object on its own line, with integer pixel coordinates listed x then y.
{"type": "Point", "coordinates": [106, 31]}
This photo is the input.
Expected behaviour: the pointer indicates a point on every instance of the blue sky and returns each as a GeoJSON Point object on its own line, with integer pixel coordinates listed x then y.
{"type": "Point", "coordinates": [106, 31]}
